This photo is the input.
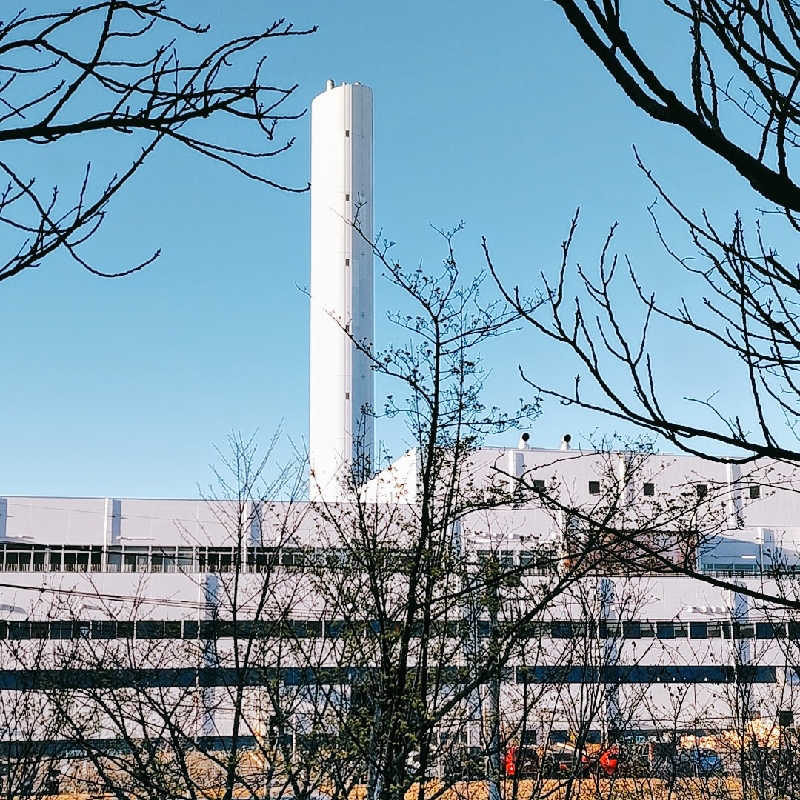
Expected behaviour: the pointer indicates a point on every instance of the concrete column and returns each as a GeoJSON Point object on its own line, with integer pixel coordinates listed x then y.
{"type": "Point", "coordinates": [112, 521]}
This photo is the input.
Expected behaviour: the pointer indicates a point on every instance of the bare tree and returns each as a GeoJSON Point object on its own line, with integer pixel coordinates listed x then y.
{"type": "Point", "coordinates": [31, 757]}
{"type": "Point", "coordinates": [130, 70]}
{"type": "Point", "coordinates": [203, 701]}
{"type": "Point", "coordinates": [739, 100]}
{"type": "Point", "coordinates": [740, 294]}
{"type": "Point", "coordinates": [433, 610]}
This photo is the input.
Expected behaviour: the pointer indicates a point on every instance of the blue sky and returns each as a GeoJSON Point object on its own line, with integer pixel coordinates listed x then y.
{"type": "Point", "coordinates": [493, 114]}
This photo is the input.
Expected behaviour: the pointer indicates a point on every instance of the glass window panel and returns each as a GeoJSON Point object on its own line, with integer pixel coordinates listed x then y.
{"type": "Point", "coordinates": [665, 630]}
{"type": "Point", "coordinates": [150, 629]}
{"type": "Point", "coordinates": [114, 560]}
{"type": "Point", "coordinates": [125, 630]}
{"type": "Point", "coordinates": [744, 630]}
{"type": "Point", "coordinates": [698, 630]}
{"type": "Point", "coordinates": [767, 630]}
{"type": "Point", "coordinates": [647, 630]}
{"type": "Point", "coordinates": [61, 630]}
{"type": "Point", "coordinates": [104, 629]}
{"type": "Point", "coordinates": [19, 629]}
{"type": "Point", "coordinates": [631, 630]}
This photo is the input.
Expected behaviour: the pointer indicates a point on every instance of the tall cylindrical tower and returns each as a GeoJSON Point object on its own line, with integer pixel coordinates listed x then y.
{"type": "Point", "coordinates": [342, 393]}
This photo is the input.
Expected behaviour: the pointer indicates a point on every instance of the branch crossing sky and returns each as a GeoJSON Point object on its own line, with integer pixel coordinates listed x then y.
{"type": "Point", "coordinates": [493, 114]}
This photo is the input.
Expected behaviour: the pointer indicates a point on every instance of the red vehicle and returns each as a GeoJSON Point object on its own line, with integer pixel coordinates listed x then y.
{"type": "Point", "coordinates": [605, 762]}
{"type": "Point", "coordinates": [559, 760]}
{"type": "Point", "coordinates": [521, 761]}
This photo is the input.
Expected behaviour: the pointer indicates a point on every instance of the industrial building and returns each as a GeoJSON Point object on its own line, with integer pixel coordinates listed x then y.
{"type": "Point", "coordinates": [666, 650]}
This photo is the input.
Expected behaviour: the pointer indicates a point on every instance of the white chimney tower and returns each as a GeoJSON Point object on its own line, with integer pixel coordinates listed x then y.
{"type": "Point", "coordinates": [342, 385]}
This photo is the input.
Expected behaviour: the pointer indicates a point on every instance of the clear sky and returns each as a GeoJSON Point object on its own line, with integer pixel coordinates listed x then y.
{"type": "Point", "coordinates": [490, 113]}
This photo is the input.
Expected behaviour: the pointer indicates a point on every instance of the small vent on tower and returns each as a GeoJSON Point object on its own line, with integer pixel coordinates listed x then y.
{"type": "Point", "coordinates": [347, 133]}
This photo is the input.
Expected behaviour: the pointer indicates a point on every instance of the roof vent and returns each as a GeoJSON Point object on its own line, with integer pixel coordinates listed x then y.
{"type": "Point", "coordinates": [565, 441]}
{"type": "Point", "coordinates": [523, 441]}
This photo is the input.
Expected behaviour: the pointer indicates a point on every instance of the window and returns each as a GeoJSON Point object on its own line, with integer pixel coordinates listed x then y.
{"type": "Point", "coordinates": [185, 559]}
{"type": "Point", "coordinates": [125, 630]}
{"type": "Point", "coordinates": [719, 630]}
{"type": "Point", "coordinates": [76, 562]}
{"type": "Point", "coordinates": [19, 630]}
{"type": "Point", "coordinates": [649, 490]}
{"type": "Point", "coordinates": [307, 629]}
{"type": "Point", "coordinates": [40, 630]}
{"type": "Point", "coordinates": [136, 559]}
{"type": "Point", "coordinates": [60, 630]}
{"type": "Point", "coordinates": [769, 630]}
{"type": "Point", "coordinates": [334, 628]}
{"type": "Point", "coordinates": [701, 489]}
{"type": "Point", "coordinates": [104, 629]}
{"type": "Point", "coordinates": [293, 557]}
{"type": "Point", "coordinates": [114, 559]}
{"type": "Point", "coordinates": [538, 485]}
{"type": "Point", "coordinates": [150, 629]}
{"type": "Point", "coordinates": [562, 630]}
{"type": "Point", "coordinates": [698, 630]}
{"type": "Point", "coordinates": [631, 630]}
{"type": "Point", "coordinates": [18, 558]}
{"type": "Point", "coordinates": [216, 559]}
{"type": "Point", "coordinates": [755, 492]}
{"type": "Point", "coordinates": [261, 559]}
{"type": "Point", "coordinates": [665, 630]}
{"type": "Point", "coordinates": [609, 629]}
{"type": "Point", "coordinates": [207, 629]}
{"type": "Point", "coordinates": [744, 630]}
{"type": "Point", "coordinates": [223, 629]}
{"type": "Point", "coordinates": [594, 487]}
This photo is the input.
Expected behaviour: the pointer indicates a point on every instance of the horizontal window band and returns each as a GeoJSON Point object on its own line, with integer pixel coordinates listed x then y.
{"type": "Point", "coordinates": [336, 628]}
{"type": "Point", "coordinates": [206, 677]}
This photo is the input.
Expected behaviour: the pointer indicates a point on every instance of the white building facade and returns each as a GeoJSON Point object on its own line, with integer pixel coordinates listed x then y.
{"type": "Point", "coordinates": [666, 650]}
